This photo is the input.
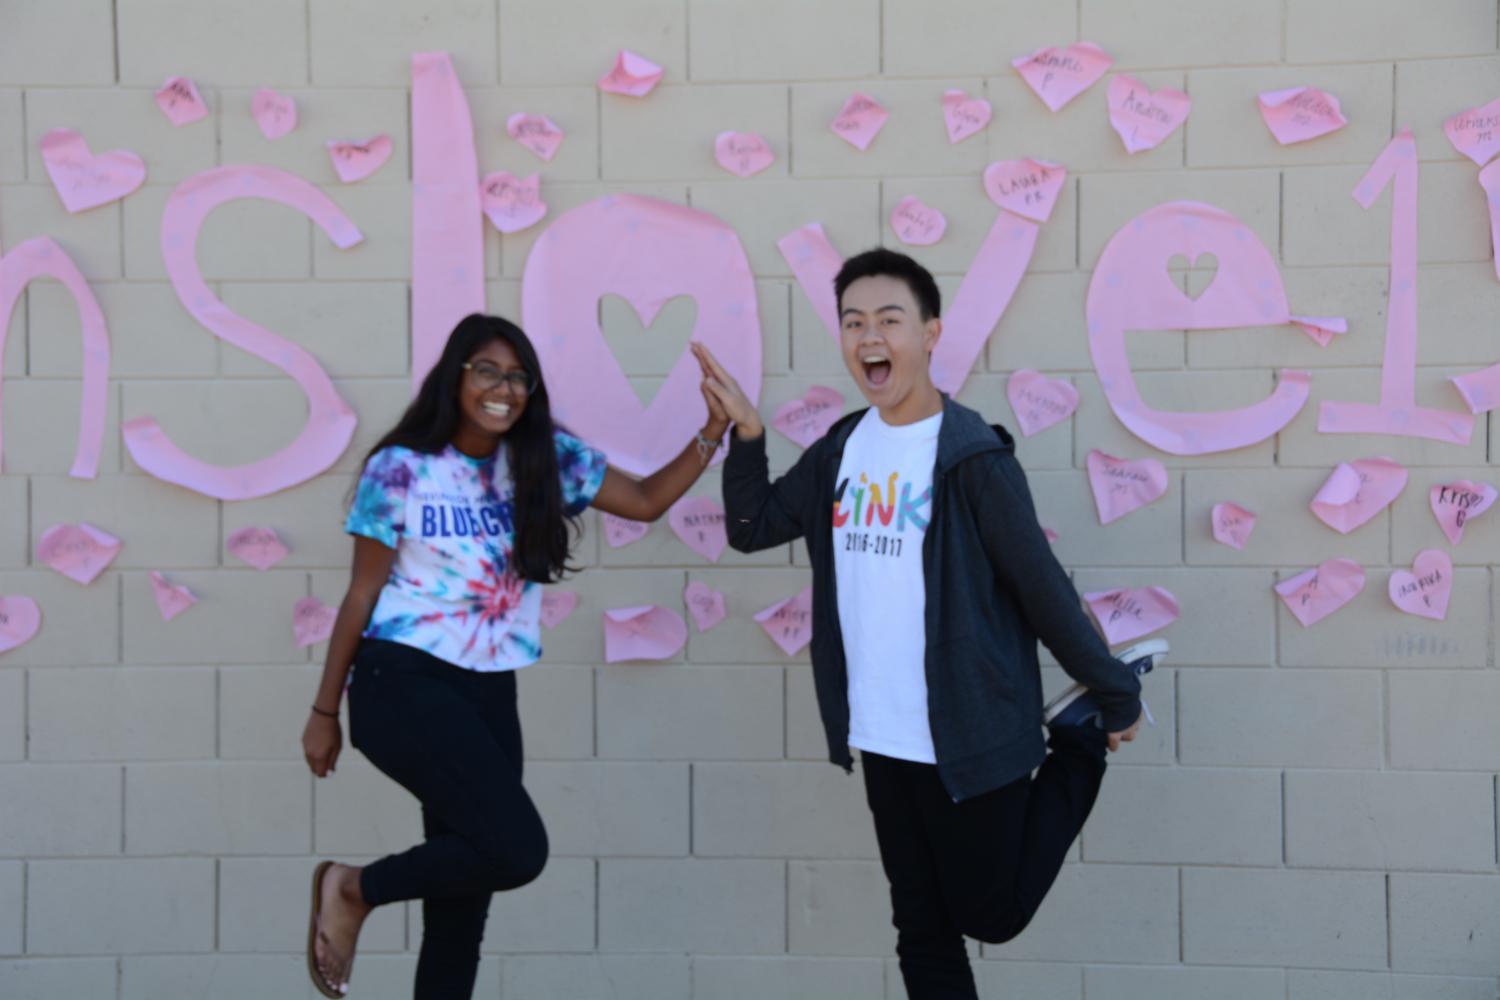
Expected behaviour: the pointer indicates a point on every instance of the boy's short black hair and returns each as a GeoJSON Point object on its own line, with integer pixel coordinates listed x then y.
{"type": "Point", "coordinates": [896, 265]}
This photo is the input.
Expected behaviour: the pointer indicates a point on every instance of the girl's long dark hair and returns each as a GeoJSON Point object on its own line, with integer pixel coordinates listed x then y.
{"type": "Point", "coordinates": [542, 532]}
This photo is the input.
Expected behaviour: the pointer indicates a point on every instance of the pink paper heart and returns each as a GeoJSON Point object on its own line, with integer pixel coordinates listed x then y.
{"type": "Point", "coordinates": [1027, 187]}
{"type": "Point", "coordinates": [621, 531]}
{"type": "Point", "coordinates": [1475, 133]}
{"type": "Point", "coordinates": [789, 622]}
{"type": "Point", "coordinates": [172, 599]}
{"type": "Point", "coordinates": [77, 551]}
{"type": "Point", "coordinates": [1059, 75]}
{"type": "Point", "coordinates": [1314, 594]}
{"type": "Point", "coordinates": [1049, 534]}
{"type": "Point", "coordinates": [83, 180]}
{"type": "Point", "coordinates": [312, 621]}
{"type": "Point", "coordinates": [276, 114]}
{"type": "Point", "coordinates": [1038, 401]}
{"type": "Point", "coordinates": [963, 115]}
{"type": "Point", "coordinates": [917, 224]}
{"type": "Point", "coordinates": [859, 121]}
{"type": "Point", "coordinates": [557, 605]}
{"type": "Point", "coordinates": [699, 522]}
{"type": "Point", "coordinates": [512, 203]}
{"type": "Point", "coordinates": [1232, 524]}
{"type": "Point", "coordinates": [179, 100]}
{"type": "Point", "coordinates": [1144, 118]}
{"type": "Point", "coordinates": [260, 547]}
{"type": "Point", "coordinates": [632, 75]}
{"type": "Point", "coordinates": [1357, 491]}
{"type": "Point", "coordinates": [1120, 485]}
{"type": "Point", "coordinates": [1322, 329]}
{"type": "Point", "coordinates": [1425, 590]}
{"type": "Point", "coordinates": [806, 419]}
{"type": "Point", "coordinates": [1131, 612]}
{"type": "Point", "coordinates": [743, 154]}
{"type": "Point", "coordinates": [705, 604]}
{"type": "Point", "coordinates": [647, 632]}
{"type": "Point", "coordinates": [354, 161]}
{"type": "Point", "coordinates": [537, 133]}
{"type": "Point", "coordinates": [1300, 113]}
{"type": "Point", "coordinates": [20, 620]}
{"type": "Point", "coordinates": [1456, 504]}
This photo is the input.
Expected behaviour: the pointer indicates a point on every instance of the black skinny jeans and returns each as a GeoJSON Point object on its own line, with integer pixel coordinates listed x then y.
{"type": "Point", "coordinates": [452, 738]}
{"type": "Point", "coordinates": [979, 867]}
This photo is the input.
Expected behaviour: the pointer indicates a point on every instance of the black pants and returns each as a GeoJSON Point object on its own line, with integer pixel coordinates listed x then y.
{"type": "Point", "coordinates": [979, 867]}
{"type": "Point", "coordinates": [452, 738]}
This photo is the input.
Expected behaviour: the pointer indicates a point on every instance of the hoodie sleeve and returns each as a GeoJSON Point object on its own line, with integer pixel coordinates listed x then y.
{"type": "Point", "coordinates": [761, 514]}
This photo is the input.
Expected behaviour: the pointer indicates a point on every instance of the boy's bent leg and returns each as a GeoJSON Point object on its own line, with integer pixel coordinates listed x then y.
{"type": "Point", "coordinates": [934, 962]}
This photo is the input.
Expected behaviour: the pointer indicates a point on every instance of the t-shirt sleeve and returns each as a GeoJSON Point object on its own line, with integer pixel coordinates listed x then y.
{"type": "Point", "coordinates": [582, 471]}
{"type": "Point", "coordinates": [379, 508]}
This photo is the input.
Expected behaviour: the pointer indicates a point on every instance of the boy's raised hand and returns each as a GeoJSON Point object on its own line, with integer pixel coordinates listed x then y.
{"type": "Point", "coordinates": [721, 386]}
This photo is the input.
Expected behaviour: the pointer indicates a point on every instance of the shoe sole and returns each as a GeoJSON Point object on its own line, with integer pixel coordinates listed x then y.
{"type": "Point", "coordinates": [1154, 648]}
{"type": "Point", "coordinates": [314, 911]}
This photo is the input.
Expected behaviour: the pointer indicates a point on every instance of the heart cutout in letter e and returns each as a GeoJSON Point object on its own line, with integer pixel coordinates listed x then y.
{"type": "Point", "coordinates": [1425, 590]}
{"type": "Point", "coordinates": [1141, 117]}
{"type": "Point", "coordinates": [83, 180]}
{"type": "Point", "coordinates": [20, 620]}
{"type": "Point", "coordinates": [1314, 594]}
{"type": "Point", "coordinates": [1120, 485]}
{"type": "Point", "coordinates": [1038, 401]}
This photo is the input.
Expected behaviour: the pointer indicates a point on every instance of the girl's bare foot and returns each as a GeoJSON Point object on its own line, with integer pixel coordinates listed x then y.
{"type": "Point", "coordinates": [341, 912]}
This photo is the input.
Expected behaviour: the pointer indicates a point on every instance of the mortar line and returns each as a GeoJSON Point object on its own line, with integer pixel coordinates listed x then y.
{"type": "Point", "coordinates": [687, 41]}
{"type": "Point", "coordinates": [114, 17]}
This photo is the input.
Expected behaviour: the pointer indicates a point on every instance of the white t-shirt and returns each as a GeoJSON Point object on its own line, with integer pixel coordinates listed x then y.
{"type": "Point", "coordinates": [883, 500]}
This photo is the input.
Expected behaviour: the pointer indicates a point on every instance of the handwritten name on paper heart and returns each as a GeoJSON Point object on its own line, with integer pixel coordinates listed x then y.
{"type": "Point", "coordinates": [646, 632]}
{"type": "Point", "coordinates": [859, 121]}
{"type": "Point", "coordinates": [1356, 491]}
{"type": "Point", "coordinates": [1300, 113]}
{"type": "Point", "coordinates": [172, 599]}
{"type": "Point", "coordinates": [1425, 590]}
{"type": "Point", "coordinates": [1038, 401]}
{"type": "Point", "coordinates": [20, 620]}
{"type": "Point", "coordinates": [557, 605]}
{"type": "Point", "coordinates": [537, 133]}
{"type": "Point", "coordinates": [917, 224]}
{"type": "Point", "coordinates": [621, 531]}
{"type": "Point", "coordinates": [354, 161]}
{"type": "Point", "coordinates": [963, 115]}
{"type": "Point", "coordinates": [1027, 187]}
{"type": "Point", "coordinates": [83, 180]}
{"type": "Point", "coordinates": [274, 113]}
{"type": "Point", "coordinates": [743, 154]}
{"type": "Point", "coordinates": [789, 622]}
{"type": "Point", "coordinates": [1121, 485]}
{"type": "Point", "coordinates": [512, 203]}
{"type": "Point", "coordinates": [1322, 329]}
{"type": "Point", "coordinates": [1456, 504]}
{"type": "Point", "coordinates": [312, 621]}
{"type": "Point", "coordinates": [632, 75]}
{"type": "Point", "coordinates": [1314, 594]}
{"type": "Point", "coordinates": [806, 419]}
{"type": "Point", "coordinates": [77, 551]}
{"type": "Point", "coordinates": [1475, 133]}
{"type": "Point", "coordinates": [699, 522]}
{"type": "Point", "coordinates": [1232, 524]}
{"type": "Point", "coordinates": [1057, 75]}
{"type": "Point", "coordinates": [1144, 118]}
{"type": "Point", "coordinates": [179, 100]}
{"type": "Point", "coordinates": [705, 604]}
{"type": "Point", "coordinates": [260, 547]}
{"type": "Point", "coordinates": [1131, 612]}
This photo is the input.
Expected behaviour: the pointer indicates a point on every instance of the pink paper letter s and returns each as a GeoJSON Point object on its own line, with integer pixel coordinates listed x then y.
{"type": "Point", "coordinates": [38, 258]}
{"type": "Point", "coordinates": [330, 421]}
{"type": "Point", "coordinates": [1131, 290]}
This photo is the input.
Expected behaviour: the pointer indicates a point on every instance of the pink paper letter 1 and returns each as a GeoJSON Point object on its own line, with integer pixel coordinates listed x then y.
{"type": "Point", "coordinates": [1397, 412]}
{"type": "Point", "coordinates": [1131, 290]}
{"type": "Point", "coordinates": [330, 421]}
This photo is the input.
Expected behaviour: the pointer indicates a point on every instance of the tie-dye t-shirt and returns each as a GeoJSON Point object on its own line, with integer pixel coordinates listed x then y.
{"type": "Point", "coordinates": [450, 518]}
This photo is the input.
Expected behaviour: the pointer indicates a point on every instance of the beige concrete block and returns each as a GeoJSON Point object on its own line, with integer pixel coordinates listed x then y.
{"type": "Point", "coordinates": [761, 212]}
{"type": "Point", "coordinates": [262, 711]}
{"type": "Point", "coordinates": [309, 518]}
{"type": "Point", "coordinates": [253, 607]}
{"type": "Point", "coordinates": [691, 713]}
{"type": "Point", "coordinates": [1384, 986]}
{"type": "Point", "coordinates": [656, 29]}
{"type": "Point", "coordinates": [16, 357]}
{"type": "Point", "coordinates": [12, 903]}
{"type": "Point", "coordinates": [390, 977]}
{"type": "Point", "coordinates": [792, 810]}
{"type": "Point", "coordinates": [555, 913]}
{"type": "Point", "coordinates": [580, 639]}
{"type": "Point", "coordinates": [217, 977]}
{"type": "Point", "coordinates": [1155, 744]}
{"type": "Point", "coordinates": [263, 908]}
{"type": "Point", "coordinates": [971, 216]}
{"type": "Point", "coordinates": [790, 978]}
{"type": "Point", "coordinates": [1453, 303]}
{"type": "Point", "coordinates": [661, 547]}
{"type": "Point", "coordinates": [45, 978]}
{"type": "Point", "coordinates": [1050, 449]}
{"type": "Point", "coordinates": [1124, 982]}
{"type": "Point", "coordinates": [547, 977]}
{"type": "Point", "coordinates": [1436, 719]}
{"type": "Point", "coordinates": [250, 239]}
{"type": "Point", "coordinates": [117, 118]}
{"type": "Point", "coordinates": [672, 134]}
{"type": "Point", "coordinates": [1110, 200]}
{"type": "Point", "coordinates": [1244, 638]}
{"type": "Point", "coordinates": [79, 624]}
{"type": "Point", "coordinates": [1065, 503]}
{"type": "Point", "coordinates": [49, 410]}
{"type": "Point", "coordinates": [1337, 819]}
{"type": "Point", "coordinates": [805, 738]}
{"type": "Point", "coordinates": [16, 508]}
{"type": "Point", "coordinates": [575, 110]}
{"type": "Point", "coordinates": [1186, 816]}
{"type": "Point", "coordinates": [1320, 31]}
{"type": "Point", "coordinates": [151, 335]}
{"type": "Point", "coordinates": [1428, 91]}
{"type": "Point", "coordinates": [688, 906]}
{"type": "Point", "coordinates": [162, 526]}
{"type": "Point", "coordinates": [40, 47]}
{"type": "Point", "coordinates": [1162, 33]}
{"type": "Point", "coordinates": [261, 47]}
{"type": "Point", "coordinates": [351, 328]}
{"type": "Point", "coordinates": [1103, 913]}
{"type": "Point", "coordinates": [1036, 980]}
{"type": "Point", "coordinates": [557, 712]}
{"type": "Point", "coordinates": [358, 810]}
{"type": "Point", "coordinates": [350, 48]}
{"type": "Point", "coordinates": [781, 451]}
{"type": "Point", "coordinates": [1292, 918]}
{"type": "Point", "coordinates": [12, 715]}
{"type": "Point", "coordinates": [378, 403]}
{"type": "Point", "coordinates": [739, 639]}
{"type": "Point", "coordinates": [138, 905]}
{"type": "Point", "coordinates": [959, 37]}
{"type": "Point", "coordinates": [383, 214]}
{"type": "Point", "coordinates": [91, 239]}
{"type": "Point", "coordinates": [226, 422]}
{"type": "Point", "coordinates": [1286, 531]}
{"type": "Point", "coordinates": [515, 249]}
{"type": "Point", "coordinates": [123, 713]}
{"type": "Point", "coordinates": [1044, 328]}
{"type": "Point", "coordinates": [218, 808]}
{"type": "Point", "coordinates": [816, 348]}
{"type": "Point", "coordinates": [1275, 718]}
{"type": "Point", "coordinates": [614, 809]}
{"type": "Point", "coordinates": [13, 129]}
{"type": "Point", "coordinates": [839, 908]}
{"type": "Point", "coordinates": [746, 40]}
{"type": "Point", "coordinates": [913, 142]}
{"type": "Point", "coordinates": [60, 810]}
{"type": "Point", "coordinates": [322, 113]}
{"type": "Point", "coordinates": [1226, 128]}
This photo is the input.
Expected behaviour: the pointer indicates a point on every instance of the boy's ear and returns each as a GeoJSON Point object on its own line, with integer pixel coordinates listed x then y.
{"type": "Point", "coordinates": [933, 330]}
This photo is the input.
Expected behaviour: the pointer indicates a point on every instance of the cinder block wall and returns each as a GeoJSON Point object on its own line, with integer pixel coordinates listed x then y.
{"type": "Point", "coordinates": [1314, 815]}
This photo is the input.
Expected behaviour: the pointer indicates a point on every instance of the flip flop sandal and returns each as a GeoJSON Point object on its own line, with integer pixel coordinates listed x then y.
{"type": "Point", "coordinates": [312, 933]}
